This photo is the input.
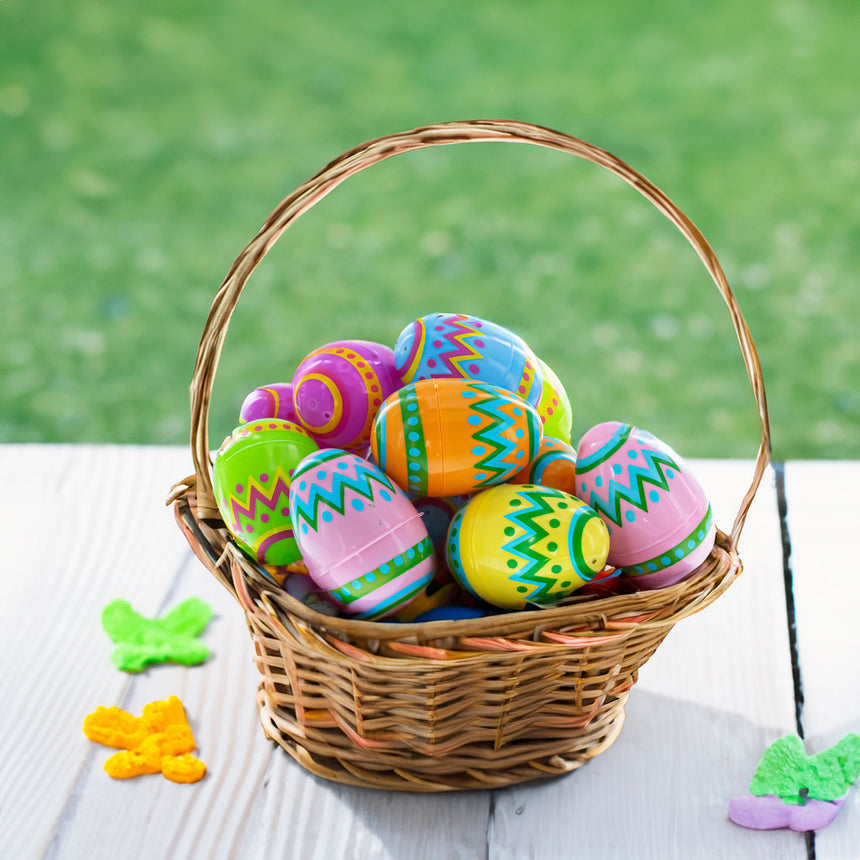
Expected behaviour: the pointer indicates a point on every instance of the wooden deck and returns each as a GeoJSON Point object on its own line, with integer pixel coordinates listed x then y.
{"type": "Point", "coordinates": [83, 525]}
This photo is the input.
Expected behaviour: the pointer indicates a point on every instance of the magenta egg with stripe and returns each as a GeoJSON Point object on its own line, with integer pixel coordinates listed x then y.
{"type": "Point", "coordinates": [360, 537]}
{"type": "Point", "coordinates": [338, 389]}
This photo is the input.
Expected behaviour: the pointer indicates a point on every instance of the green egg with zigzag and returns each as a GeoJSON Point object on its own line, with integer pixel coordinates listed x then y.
{"type": "Point", "coordinates": [251, 478]}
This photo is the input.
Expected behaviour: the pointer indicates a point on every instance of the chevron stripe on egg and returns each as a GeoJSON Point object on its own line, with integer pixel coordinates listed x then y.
{"type": "Point", "coordinates": [458, 346]}
{"type": "Point", "coordinates": [362, 540]}
{"type": "Point", "coordinates": [516, 545]}
{"type": "Point", "coordinates": [660, 523]}
{"type": "Point", "coordinates": [449, 437]}
{"type": "Point", "coordinates": [251, 478]}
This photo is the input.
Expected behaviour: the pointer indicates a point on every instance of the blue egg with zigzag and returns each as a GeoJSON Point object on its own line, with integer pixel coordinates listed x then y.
{"type": "Point", "coordinates": [461, 346]}
{"type": "Point", "coordinates": [522, 545]}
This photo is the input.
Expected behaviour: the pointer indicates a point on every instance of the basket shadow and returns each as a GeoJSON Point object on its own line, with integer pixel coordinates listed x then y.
{"type": "Point", "coordinates": [664, 785]}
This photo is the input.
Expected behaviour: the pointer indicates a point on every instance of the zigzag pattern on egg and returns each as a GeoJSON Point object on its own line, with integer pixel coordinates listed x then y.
{"type": "Point", "coordinates": [498, 460]}
{"type": "Point", "coordinates": [633, 492]}
{"type": "Point", "coordinates": [457, 335]}
{"type": "Point", "coordinates": [366, 477]}
{"type": "Point", "coordinates": [525, 544]}
{"type": "Point", "coordinates": [257, 494]}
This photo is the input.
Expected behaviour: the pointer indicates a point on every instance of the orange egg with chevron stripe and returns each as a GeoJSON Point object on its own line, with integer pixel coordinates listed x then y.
{"type": "Point", "coordinates": [448, 437]}
{"type": "Point", "coordinates": [554, 466]}
{"type": "Point", "coordinates": [517, 545]}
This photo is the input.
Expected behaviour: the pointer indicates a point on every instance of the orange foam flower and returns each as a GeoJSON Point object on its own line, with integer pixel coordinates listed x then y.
{"type": "Point", "coordinates": [158, 741]}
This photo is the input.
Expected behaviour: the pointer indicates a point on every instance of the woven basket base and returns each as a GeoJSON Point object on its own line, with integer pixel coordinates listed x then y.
{"type": "Point", "coordinates": [319, 753]}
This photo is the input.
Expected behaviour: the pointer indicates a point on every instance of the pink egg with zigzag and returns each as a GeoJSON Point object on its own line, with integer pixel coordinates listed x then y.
{"type": "Point", "coordinates": [360, 537]}
{"type": "Point", "coordinates": [660, 523]}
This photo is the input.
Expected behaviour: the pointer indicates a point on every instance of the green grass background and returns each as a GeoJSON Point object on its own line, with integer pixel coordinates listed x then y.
{"type": "Point", "coordinates": [142, 145]}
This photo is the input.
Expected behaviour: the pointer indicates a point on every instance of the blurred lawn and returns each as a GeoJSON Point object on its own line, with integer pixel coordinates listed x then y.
{"type": "Point", "coordinates": [142, 146]}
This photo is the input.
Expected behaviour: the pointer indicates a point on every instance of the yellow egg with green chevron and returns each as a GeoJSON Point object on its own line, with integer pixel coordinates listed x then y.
{"type": "Point", "coordinates": [522, 545]}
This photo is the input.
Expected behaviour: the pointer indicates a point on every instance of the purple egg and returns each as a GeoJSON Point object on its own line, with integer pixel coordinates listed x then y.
{"type": "Point", "coordinates": [270, 401]}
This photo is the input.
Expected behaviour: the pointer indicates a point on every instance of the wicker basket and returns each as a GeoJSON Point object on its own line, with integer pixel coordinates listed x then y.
{"type": "Point", "coordinates": [445, 705]}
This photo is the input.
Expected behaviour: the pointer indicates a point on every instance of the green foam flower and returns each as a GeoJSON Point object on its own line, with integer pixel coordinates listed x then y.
{"type": "Point", "coordinates": [785, 770]}
{"type": "Point", "coordinates": [170, 639]}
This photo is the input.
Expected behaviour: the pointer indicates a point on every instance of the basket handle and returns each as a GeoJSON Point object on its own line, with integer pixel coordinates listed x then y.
{"type": "Point", "coordinates": [357, 159]}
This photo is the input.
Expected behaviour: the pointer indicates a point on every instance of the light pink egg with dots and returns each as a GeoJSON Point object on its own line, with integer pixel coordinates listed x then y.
{"type": "Point", "coordinates": [660, 523]}
{"type": "Point", "coordinates": [360, 537]}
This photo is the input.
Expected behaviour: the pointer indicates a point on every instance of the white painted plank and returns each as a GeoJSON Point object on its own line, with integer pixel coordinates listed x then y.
{"type": "Point", "coordinates": [81, 525]}
{"type": "Point", "coordinates": [311, 818]}
{"type": "Point", "coordinates": [255, 801]}
{"type": "Point", "coordinates": [716, 693]}
{"type": "Point", "coordinates": [824, 523]}
{"type": "Point", "coordinates": [108, 818]}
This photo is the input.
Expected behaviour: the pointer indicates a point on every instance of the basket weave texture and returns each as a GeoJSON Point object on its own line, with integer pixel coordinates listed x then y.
{"type": "Point", "coordinates": [446, 705]}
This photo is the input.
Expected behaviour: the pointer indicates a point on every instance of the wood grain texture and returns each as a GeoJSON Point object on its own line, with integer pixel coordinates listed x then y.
{"type": "Point", "coordinates": [823, 515]}
{"type": "Point", "coordinates": [78, 536]}
{"type": "Point", "coordinates": [166, 819]}
{"type": "Point", "coordinates": [300, 815]}
{"type": "Point", "coordinates": [57, 801]}
{"type": "Point", "coordinates": [706, 705]}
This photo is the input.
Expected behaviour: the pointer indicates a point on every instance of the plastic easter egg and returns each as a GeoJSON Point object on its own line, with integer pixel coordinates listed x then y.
{"type": "Point", "coordinates": [456, 346]}
{"type": "Point", "coordinates": [447, 437]}
{"type": "Point", "coordinates": [431, 598]}
{"type": "Point", "coordinates": [338, 388]}
{"type": "Point", "coordinates": [452, 613]}
{"type": "Point", "coordinates": [520, 544]}
{"type": "Point", "coordinates": [269, 401]}
{"type": "Point", "coordinates": [251, 475]}
{"type": "Point", "coordinates": [554, 466]}
{"type": "Point", "coordinates": [360, 537]}
{"type": "Point", "coordinates": [608, 582]}
{"type": "Point", "coordinates": [659, 519]}
{"type": "Point", "coordinates": [437, 514]}
{"type": "Point", "coordinates": [281, 572]}
{"type": "Point", "coordinates": [554, 407]}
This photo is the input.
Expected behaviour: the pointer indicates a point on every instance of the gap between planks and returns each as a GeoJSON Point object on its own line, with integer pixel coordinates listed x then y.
{"type": "Point", "coordinates": [791, 615]}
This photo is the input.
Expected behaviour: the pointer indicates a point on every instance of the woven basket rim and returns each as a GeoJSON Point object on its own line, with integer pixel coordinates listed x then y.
{"type": "Point", "coordinates": [611, 615]}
